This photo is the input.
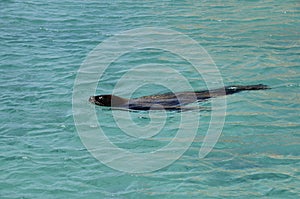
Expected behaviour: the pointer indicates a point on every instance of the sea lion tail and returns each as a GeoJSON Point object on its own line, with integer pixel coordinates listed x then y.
{"type": "Point", "coordinates": [234, 89]}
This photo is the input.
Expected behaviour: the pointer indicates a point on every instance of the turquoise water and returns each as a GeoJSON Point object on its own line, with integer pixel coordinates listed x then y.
{"type": "Point", "coordinates": [43, 44]}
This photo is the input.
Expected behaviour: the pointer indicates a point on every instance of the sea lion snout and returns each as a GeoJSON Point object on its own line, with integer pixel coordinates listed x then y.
{"type": "Point", "coordinates": [98, 100]}
{"type": "Point", "coordinates": [108, 100]}
{"type": "Point", "coordinates": [92, 99]}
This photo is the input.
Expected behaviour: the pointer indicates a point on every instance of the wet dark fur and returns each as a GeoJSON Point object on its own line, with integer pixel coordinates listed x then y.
{"type": "Point", "coordinates": [169, 101]}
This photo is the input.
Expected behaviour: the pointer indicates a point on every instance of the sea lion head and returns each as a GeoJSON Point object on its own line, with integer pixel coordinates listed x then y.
{"type": "Point", "coordinates": [108, 100]}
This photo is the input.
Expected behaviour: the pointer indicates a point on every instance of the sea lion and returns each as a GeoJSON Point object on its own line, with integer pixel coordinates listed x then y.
{"type": "Point", "coordinates": [169, 101]}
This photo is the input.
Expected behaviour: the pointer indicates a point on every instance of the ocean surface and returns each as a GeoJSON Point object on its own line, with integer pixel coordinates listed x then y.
{"type": "Point", "coordinates": [43, 45]}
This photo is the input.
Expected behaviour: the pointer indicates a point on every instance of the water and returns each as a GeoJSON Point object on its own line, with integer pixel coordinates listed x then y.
{"type": "Point", "coordinates": [43, 44]}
